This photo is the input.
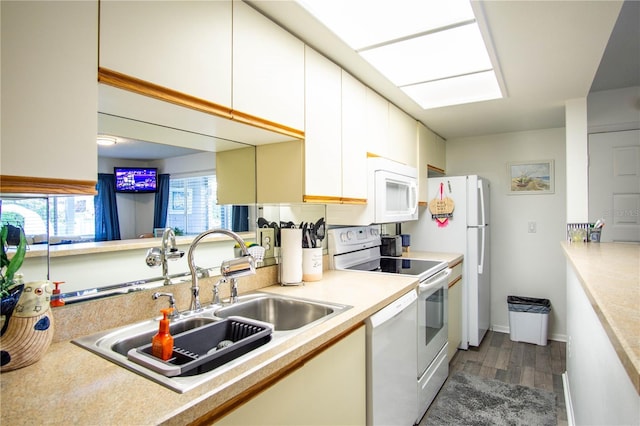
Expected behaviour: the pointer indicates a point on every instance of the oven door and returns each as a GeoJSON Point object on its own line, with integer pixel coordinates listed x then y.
{"type": "Point", "coordinates": [432, 318]}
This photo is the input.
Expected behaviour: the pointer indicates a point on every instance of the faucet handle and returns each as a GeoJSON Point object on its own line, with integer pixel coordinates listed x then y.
{"type": "Point", "coordinates": [216, 291]}
{"type": "Point", "coordinates": [234, 290]}
{"type": "Point", "coordinates": [172, 303]}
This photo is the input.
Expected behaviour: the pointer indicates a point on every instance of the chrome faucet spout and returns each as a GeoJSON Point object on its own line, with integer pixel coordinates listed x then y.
{"type": "Point", "coordinates": [229, 269]}
{"type": "Point", "coordinates": [167, 251]}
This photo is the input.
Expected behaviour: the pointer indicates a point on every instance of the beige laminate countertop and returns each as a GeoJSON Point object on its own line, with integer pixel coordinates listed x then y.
{"type": "Point", "coordinates": [71, 385]}
{"type": "Point", "coordinates": [610, 276]}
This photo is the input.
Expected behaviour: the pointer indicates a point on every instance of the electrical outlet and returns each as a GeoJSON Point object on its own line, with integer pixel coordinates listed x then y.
{"type": "Point", "coordinates": [266, 238]}
{"type": "Point", "coordinates": [532, 227]}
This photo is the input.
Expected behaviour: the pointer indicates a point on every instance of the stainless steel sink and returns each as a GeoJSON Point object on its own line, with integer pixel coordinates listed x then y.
{"type": "Point", "coordinates": [123, 346]}
{"type": "Point", "coordinates": [283, 312]}
{"type": "Point", "coordinates": [290, 316]}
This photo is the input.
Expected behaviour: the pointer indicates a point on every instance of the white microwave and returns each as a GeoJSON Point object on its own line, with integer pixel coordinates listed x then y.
{"type": "Point", "coordinates": [393, 190]}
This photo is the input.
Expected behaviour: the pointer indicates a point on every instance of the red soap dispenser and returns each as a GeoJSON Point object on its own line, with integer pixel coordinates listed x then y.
{"type": "Point", "coordinates": [162, 343]}
{"type": "Point", "coordinates": [56, 299]}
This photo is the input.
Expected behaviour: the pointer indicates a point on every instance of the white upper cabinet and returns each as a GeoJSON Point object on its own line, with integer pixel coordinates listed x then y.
{"type": "Point", "coordinates": [377, 119]}
{"type": "Point", "coordinates": [268, 69]}
{"type": "Point", "coordinates": [49, 93]}
{"type": "Point", "coordinates": [391, 133]}
{"type": "Point", "coordinates": [180, 45]}
{"type": "Point", "coordinates": [323, 123]}
{"type": "Point", "coordinates": [354, 131]}
{"type": "Point", "coordinates": [431, 159]}
{"type": "Point", "coordinates": [436, 153]}
{"type": "Point", "coordinates": [403, 137]}
{"type": "Point", "coordinates": [424, 135]}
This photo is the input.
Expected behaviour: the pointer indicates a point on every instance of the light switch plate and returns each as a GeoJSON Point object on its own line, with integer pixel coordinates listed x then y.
{"type": "Point", "coordinates": [532, 227]}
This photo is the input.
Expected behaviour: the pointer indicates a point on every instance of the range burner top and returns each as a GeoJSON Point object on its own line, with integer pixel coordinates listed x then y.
{"type": "Point", "coordinates": [400, 265]}
{"type": "Point", "coordinates": [357, 248]}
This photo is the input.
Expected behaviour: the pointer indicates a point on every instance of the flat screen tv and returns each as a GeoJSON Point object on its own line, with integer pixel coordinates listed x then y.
{"type": "Point", "coordinates": [136, 179]}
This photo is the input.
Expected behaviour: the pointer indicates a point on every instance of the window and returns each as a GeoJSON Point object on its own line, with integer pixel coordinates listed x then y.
{"type": "Point", "coordinates": [71, 218]}
{"type": "Point", "coordinates": [192, 205]}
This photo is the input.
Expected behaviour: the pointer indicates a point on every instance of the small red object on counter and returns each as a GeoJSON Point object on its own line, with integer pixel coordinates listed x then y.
{"type": "Point", "coordinates": [56, 300]}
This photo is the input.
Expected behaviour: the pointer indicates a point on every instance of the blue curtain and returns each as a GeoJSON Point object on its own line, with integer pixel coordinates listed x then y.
{"type": "Point", "coordinates": [240, 218]}
{"type": "Point", "coordinates": [161, 202]}
{"type": "Point", "coordinates": [107, 226]}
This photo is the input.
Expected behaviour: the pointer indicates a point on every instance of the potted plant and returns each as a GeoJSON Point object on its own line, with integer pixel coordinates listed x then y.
{"type": "Point", "coordinates": [10, 293]}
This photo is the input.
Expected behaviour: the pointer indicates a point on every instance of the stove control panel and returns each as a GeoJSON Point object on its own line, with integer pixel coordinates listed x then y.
{"type": "Point", "coordinates": [345, 240]}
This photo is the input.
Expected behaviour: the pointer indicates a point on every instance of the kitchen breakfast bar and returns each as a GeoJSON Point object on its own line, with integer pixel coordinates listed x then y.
{"type": "Point", "coordinates": [603, 332]}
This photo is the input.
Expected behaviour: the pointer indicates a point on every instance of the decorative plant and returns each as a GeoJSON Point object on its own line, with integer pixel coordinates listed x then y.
{"type": "Point", "coordinates": [177, 231]}
{"type": "Point", "coordinates": [8, 267]}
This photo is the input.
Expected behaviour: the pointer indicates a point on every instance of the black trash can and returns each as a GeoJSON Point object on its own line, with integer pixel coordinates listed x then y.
{"type": "Point", "coordinates": [528, 319]}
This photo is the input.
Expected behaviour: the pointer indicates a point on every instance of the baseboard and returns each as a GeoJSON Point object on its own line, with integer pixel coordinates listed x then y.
{"type": "Point", "coordinates": [505, 329]}
{"type": "Point", "coordinates": [500, 329]}
{"type": "Point", "coordinates": [567, 399]}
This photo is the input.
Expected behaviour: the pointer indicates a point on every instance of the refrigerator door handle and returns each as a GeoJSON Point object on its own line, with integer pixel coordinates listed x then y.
{"type": "Point", "coordinates": [482, 235]}
{"type": "Point", "coordinates": [481, 195]}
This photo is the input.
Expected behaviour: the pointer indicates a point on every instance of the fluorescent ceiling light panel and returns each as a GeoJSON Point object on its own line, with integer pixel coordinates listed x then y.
{"type": "Point", "coordinates": [453, 52]}
{"type": "Point", "coordinates": [363, 23]}
{"type": "Point", "coordinates": [106, 140]}
{"type": "Point", "coordinates": [431, 49]}
{"type": "Point", "coordinates": [454, 91]}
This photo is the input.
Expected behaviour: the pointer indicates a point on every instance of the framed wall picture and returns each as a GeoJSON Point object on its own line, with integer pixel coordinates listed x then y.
{"type": "Point", "coordinates": [530, 177]}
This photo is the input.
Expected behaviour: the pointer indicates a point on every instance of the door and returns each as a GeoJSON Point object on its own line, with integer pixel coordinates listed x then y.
{"type": "Point", "coordinates": [614, 184]}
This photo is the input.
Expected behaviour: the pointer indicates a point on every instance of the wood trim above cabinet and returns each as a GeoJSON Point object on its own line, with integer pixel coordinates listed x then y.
{"type": "Point", "coordinates": [324, 199]}
{"type": "Point", "coordinates": [37, 185]}
{"type": "Point", "coordinates": [261, 123]}
{"type": "Point", "coordinates": [142, 87]}
{"type": "Point", "coordinates": [358, 201]}
{"type": "Point", "coordinates": [152, 90]}
{"type": "Point", "coordinates": [435, 169]}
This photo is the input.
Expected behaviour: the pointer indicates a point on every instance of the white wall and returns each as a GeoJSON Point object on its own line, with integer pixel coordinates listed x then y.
{"type": "Point", "coordinates": [613, 110]}
{"type": "Point", "coordinates": [577, 161]}
{"type": "Point", "coordinates": [522, 263]}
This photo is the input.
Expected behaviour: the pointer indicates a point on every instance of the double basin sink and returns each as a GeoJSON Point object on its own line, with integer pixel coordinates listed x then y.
{"type": "Point", "coordinates": [276, 317]}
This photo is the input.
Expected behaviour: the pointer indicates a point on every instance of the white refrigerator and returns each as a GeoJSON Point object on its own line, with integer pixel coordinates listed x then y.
{"type": "Point", "coordinates": [464, 230]}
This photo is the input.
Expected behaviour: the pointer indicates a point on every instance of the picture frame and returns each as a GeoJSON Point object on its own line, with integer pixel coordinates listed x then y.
{"type": "Point", "coordinates": [530, 177]}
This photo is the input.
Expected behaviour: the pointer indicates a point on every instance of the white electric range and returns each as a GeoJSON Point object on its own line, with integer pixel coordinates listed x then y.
{"type": "Point", "coordinates": [358, 249]}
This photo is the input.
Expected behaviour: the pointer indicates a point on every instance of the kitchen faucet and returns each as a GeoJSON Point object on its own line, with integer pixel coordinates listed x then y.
{"type": "Point", "coordinates": [231, 269]}
{"type": "Point", "coordinates": [167, 251]}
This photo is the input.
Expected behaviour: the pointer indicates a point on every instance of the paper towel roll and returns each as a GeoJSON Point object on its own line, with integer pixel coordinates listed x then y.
{"type": "Point", "coordinates": [291, 252]}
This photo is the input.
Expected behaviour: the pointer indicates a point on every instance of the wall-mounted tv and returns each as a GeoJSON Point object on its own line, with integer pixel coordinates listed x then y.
{"type": "Point", "coordinates": [136, 179]}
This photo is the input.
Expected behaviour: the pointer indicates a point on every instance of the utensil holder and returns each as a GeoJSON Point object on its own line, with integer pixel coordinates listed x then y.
{"type": "Point", "coordinates": [312, 264]}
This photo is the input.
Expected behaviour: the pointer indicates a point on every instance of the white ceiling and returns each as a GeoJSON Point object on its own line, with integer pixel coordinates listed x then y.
{"type": "Point", "coordinates": [548, 52]}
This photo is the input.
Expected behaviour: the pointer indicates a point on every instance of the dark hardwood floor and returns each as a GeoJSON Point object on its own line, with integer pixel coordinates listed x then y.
{"type": "Point", "coordinates": [517, 363]}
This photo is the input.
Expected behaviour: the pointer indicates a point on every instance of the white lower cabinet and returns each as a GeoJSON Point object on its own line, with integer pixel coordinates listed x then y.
{"type": "Point", "coordinates": [330, 389]}
{"type": "Point", "coordinates": [455, 311]}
